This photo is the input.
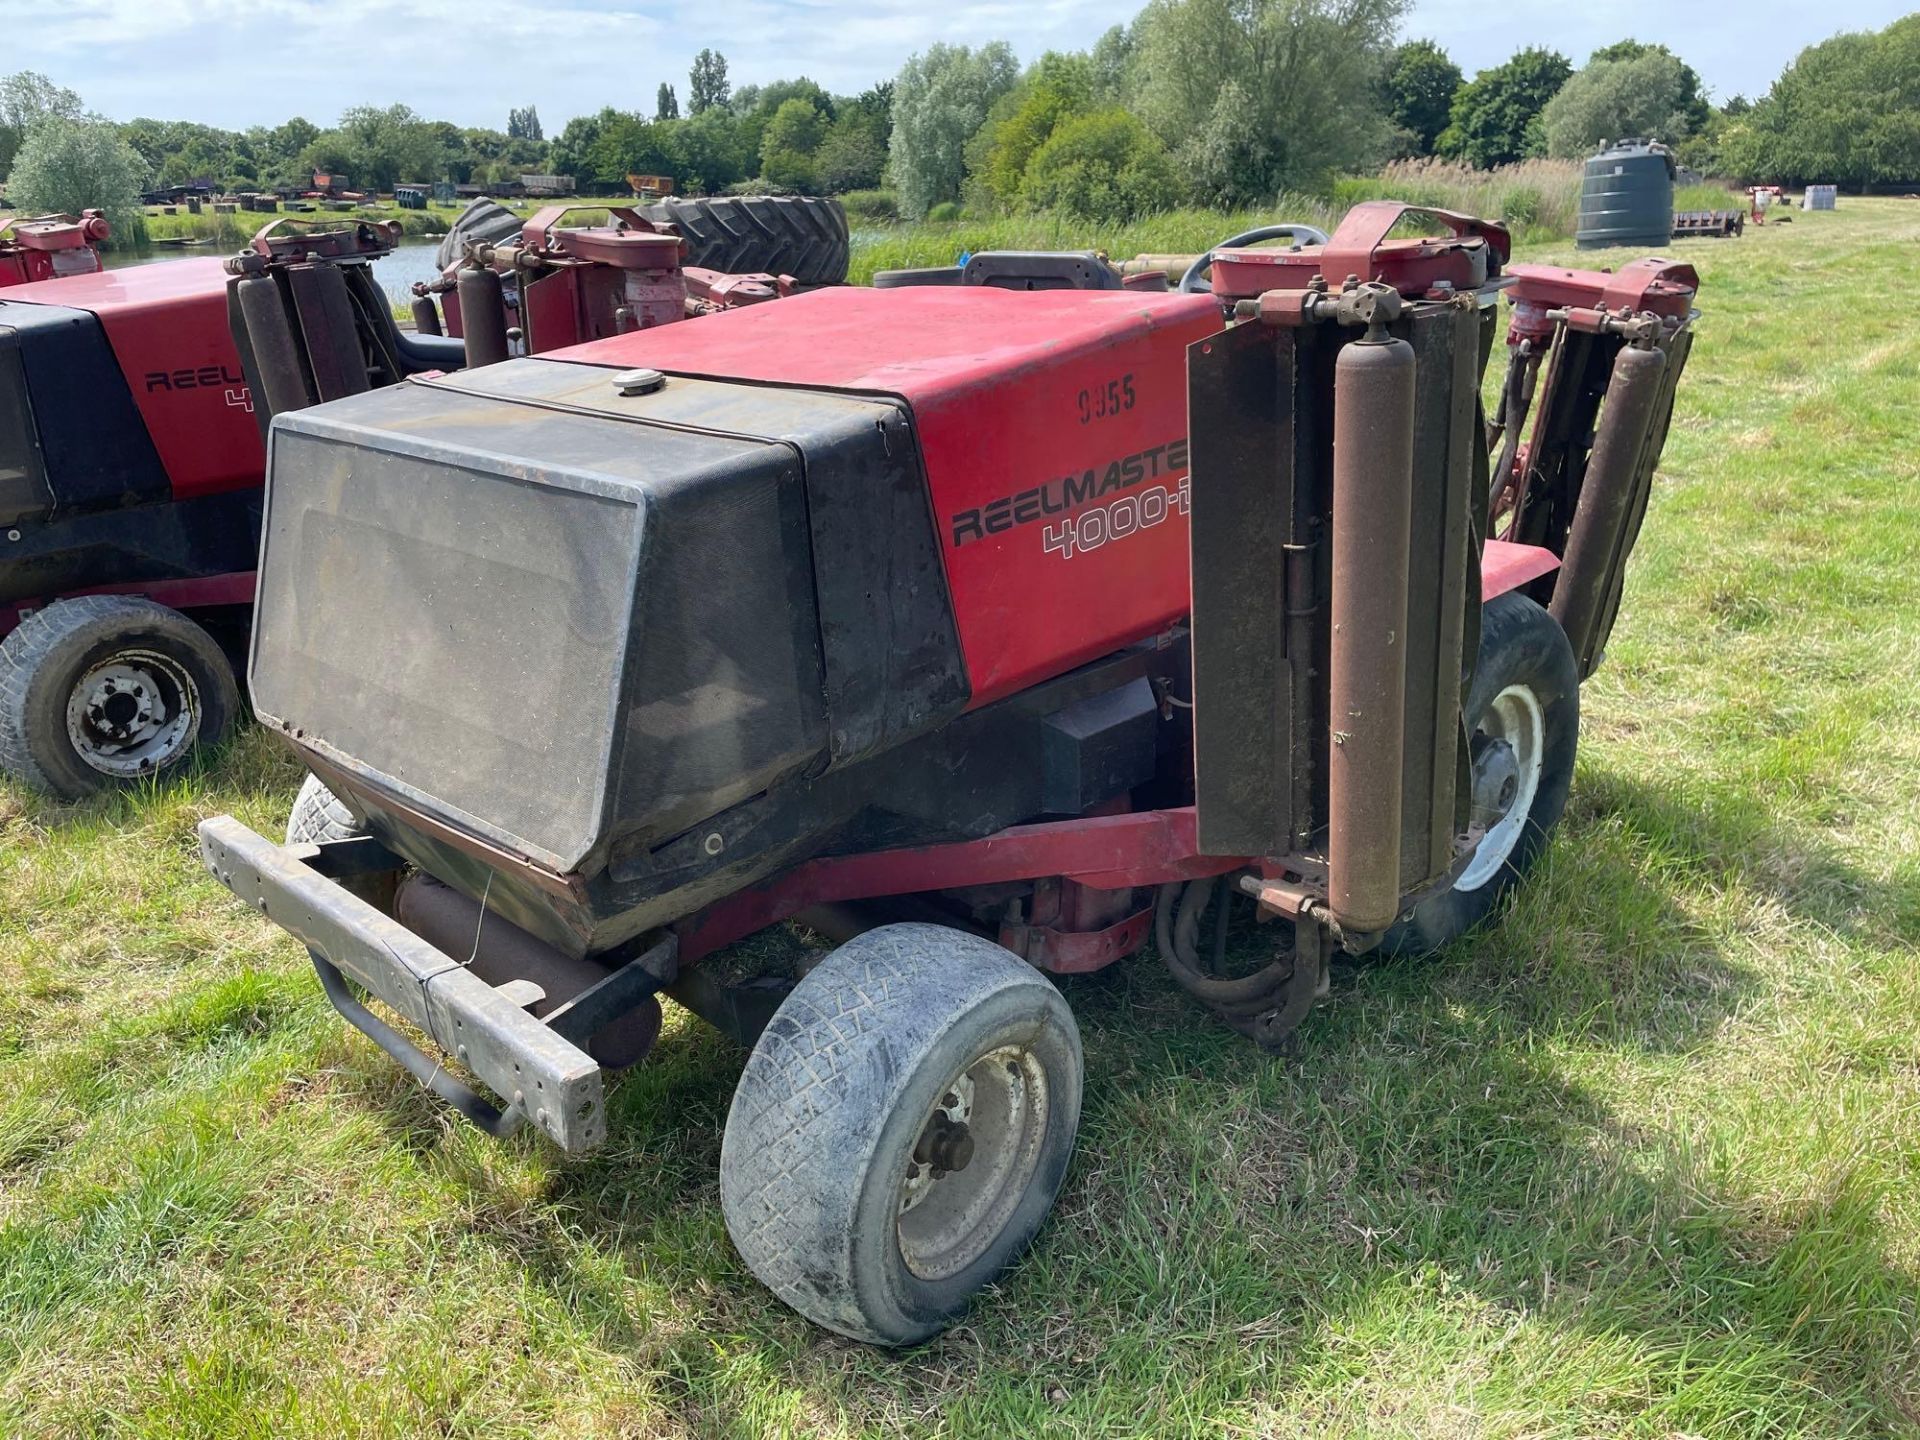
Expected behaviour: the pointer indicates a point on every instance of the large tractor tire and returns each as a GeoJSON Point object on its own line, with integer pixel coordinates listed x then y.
{"type": "Point", "coordinates": [736, 234]}
{"type": "Point", "coordinates": [483, 219]}
{"type": "Point", "coordinates": [900, 1130]}
{"type": "Point", "coordinates": [753, 234]}
{"type": "Point", "coordinates": [108, 690]}
{"type": "Point", "coordinates": [1523, 713]}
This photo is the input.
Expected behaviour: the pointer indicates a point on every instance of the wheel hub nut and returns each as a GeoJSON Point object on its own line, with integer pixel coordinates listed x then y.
{"type": "Point", "coordinates": [946, 1145]}
{"type": "Point", "coordinates": [1496, 780]}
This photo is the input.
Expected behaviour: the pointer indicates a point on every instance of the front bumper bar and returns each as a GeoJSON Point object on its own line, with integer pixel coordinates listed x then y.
{"type": "Point", "coordinates": [541, 1075]}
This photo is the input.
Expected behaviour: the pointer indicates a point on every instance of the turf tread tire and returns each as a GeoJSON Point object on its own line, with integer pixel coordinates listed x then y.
{"type": "Point", "coordinates": [794, 235]}
{"type": "Point", "coordinates": [483, 219]}
{"type": "Point", "coordinates": [55, 646]}
{"type": "Point", "coordinates": [318, 817]}
{"type": "Point", "coordinates": [1518, 641]}
{"type": "Point", "coordinates": [834, 1095]}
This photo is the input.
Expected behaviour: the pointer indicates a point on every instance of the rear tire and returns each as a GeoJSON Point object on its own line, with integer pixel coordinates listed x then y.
{"type": "Point", "coordinates": [318, 816]}
{"type": "Point", "coordinates": [1526, 697]}
{"type": "Point", "coordinates": [107, 690]}
{"type": "Point", "coordinates": [900, 1130]}
{"type": "Point", "coordinates": [751, 234]}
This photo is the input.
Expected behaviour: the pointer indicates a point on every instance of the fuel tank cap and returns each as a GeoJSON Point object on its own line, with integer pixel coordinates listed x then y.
{"type": "Point", "coordinates": [638, 382]}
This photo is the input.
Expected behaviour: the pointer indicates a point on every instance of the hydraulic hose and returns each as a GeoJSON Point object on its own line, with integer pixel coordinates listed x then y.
{"type": "Point", "coordinates": [1178, 910]}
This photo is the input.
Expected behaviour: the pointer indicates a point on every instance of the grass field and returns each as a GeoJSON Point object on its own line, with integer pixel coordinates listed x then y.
{"type": "Point", "coordinates": [1642, 1160]}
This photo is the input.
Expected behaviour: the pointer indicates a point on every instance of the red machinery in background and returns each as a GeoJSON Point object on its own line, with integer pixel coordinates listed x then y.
{"type": "Point", "coordinates": [132, 451]}
{"type": "Point", "coordinates": [560, 286]}
{"type": "Point", "coordinates": [44, 247]}
{"type": "Point", "coordinates": [1618, 337]}
{"type": "Point", "coordinates": [1762, 198]}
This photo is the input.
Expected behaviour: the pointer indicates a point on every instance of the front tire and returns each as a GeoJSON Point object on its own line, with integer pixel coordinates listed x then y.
{"type": "Point", "coordinates": [1523, 716]}
{"type": "Point", "coordinates": [106, 690]}
{"type": "Point", "coordinates": [901, 1130]}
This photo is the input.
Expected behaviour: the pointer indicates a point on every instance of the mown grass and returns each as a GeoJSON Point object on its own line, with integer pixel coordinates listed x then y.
{"type": "Point", "coordinates": [1639, 1161]}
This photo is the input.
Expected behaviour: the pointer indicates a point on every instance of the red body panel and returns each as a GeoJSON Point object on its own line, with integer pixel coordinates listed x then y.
{"type": "Point", "coordinates": [1053, 426]}
{"type": "Point", "coordinates": [1506, 566]}
{"type": "Point", "coordinates": [167, 324]}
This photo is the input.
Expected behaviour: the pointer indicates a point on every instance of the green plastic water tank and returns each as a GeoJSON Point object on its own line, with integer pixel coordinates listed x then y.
{"type": "Point", "coordinates": [1626, 196]}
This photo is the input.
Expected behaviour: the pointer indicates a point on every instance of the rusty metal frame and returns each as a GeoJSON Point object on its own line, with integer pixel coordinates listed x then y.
{"type": "Point", "coordinates": [1103, 852]}
{"type": "Point", "coordinates": [1539, 499]}
{"type": "Point", "coordinates": [1267, 521]}
{"type": "Point", "coordinates": [1071, 928]}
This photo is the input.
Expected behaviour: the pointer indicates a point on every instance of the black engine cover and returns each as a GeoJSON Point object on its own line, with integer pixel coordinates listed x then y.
{"type": "Point", "coordinates": [559, 618]}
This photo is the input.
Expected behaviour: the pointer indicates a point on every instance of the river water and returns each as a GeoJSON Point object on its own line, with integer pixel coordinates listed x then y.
{"type": "Point", "coordinates": [411, 260]}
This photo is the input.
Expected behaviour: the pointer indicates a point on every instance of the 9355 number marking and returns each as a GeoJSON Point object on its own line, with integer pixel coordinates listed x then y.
{"type": "Point", "coordinates": [1102, 402]}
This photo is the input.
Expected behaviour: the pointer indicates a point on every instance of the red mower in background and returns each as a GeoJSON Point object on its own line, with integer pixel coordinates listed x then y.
{"type": "Point", "coordinates": [44, 247]}
{"type": "Point", "coordinates": [132, 445]}
{"type": "Point", "coordinates": [130, 473]}
{"type": "Point", "coordinates": [994, 623]}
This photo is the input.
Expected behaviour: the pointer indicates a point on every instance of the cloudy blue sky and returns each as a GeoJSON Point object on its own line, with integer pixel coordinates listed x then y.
{"type": "Point", "coordinates": [242, 62]}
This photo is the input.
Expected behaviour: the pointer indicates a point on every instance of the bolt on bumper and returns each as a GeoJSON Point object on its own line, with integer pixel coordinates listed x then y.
{"type": "Point", "coordinates": [543, 1077]}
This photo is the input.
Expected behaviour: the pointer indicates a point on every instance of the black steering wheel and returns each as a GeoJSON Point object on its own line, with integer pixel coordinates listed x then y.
{"type": "Point", "coordinates": [1195, 280]}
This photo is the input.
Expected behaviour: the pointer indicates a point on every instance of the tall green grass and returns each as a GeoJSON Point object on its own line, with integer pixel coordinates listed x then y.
{"type": "Point", "coordinates": [1172, 232]}
{"type": "Point", "coordinates": [236, 229]}
{"type": "Point", "coordinates": [1706, 195]}
{"type": "Point", "coordinates": [1537, 199]}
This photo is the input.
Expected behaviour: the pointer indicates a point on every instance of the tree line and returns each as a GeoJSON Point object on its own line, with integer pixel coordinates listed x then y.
{"type": "Point", "coordinates": [1193, 102]}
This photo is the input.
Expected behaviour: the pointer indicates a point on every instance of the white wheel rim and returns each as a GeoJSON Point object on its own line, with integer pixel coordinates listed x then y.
{"type": "Point", "coordinates": [1515, 717]}
{"type": "Point", "coordinates": [133, 713]}
{"type": "Point", "coordinates": [948, 1219]}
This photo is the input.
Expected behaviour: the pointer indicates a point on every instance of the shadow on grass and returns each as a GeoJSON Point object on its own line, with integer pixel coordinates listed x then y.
{"type": "Point", "coordinates": [1407, 1200]}
{"type": "Point", "coordinates": [1728, 838]}
{"type": "Point", "coordinates": [1442, 1184]}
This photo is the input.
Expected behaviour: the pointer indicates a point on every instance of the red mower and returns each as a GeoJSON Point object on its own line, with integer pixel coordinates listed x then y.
{"type": "Point", "coordinates": [43, 247]}
{"type": "Point", "coordinates": [132, 455]}
{"type": "Point", "coordinates": [999, 629]}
